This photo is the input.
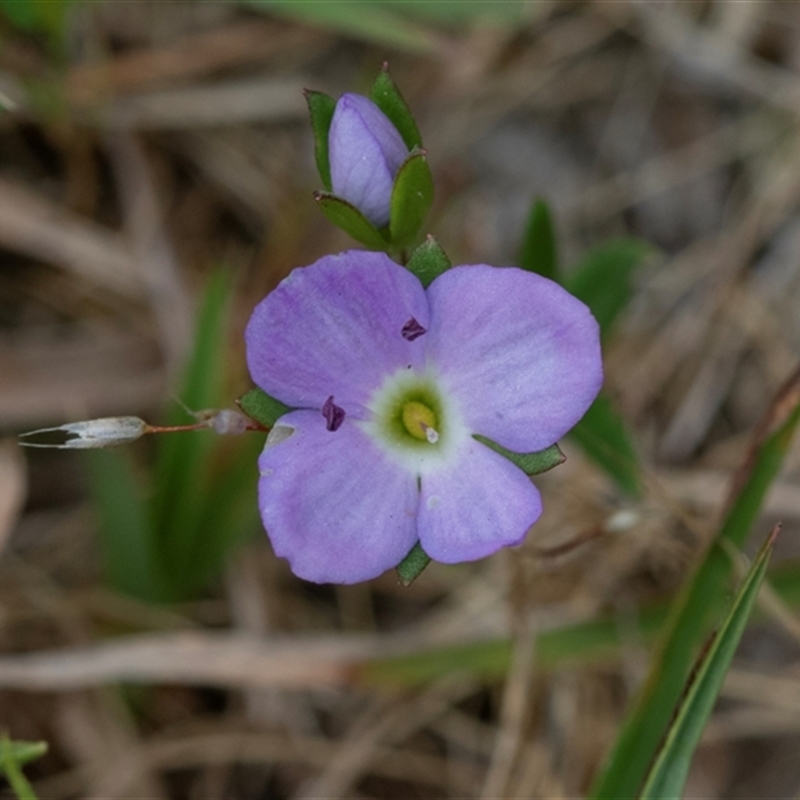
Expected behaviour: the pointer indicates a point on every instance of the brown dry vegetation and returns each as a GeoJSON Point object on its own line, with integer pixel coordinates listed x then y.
{"type": "Point", "coordinates": [176, 139]}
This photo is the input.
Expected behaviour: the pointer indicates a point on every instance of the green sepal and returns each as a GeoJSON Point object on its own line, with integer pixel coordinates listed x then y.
{"type": "Point", "coordinates": [411, 567]}
{"type": "Point", "coordinates": [538, 252]}
{"type": "Point", "coordinates": [412, 195]}
{"type": "Point", "coordinates": [529, 463]}
{"type": "Point", "coordinates": [321, 107]}
{"type": "Point", "coordinates": [347, 217]}
{"type": "Point", "coordinates": [262, 408]}
{"type": "Point", "coordinates": [428, 261]}
{"type": "Point", "coordinates": [385, 94]}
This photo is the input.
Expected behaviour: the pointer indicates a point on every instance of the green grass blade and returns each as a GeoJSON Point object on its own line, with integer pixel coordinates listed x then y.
{"type": "Point", "coordinates": [506, 13]}
{"type": "Point", "coordinates": [126, 532]}
{"type": "Point", "coordinates": [25, 752]}
{"type": "Point", "coordinates": [589, 643]}
{"type": "Point", "coordinates": [182, 471]}
{"type": "Point", "coordinates": [539, 252]}
{"type": "Point", "coordinates": [9, 766]}
{"type": "Point", "coordinates": [596, 641]}
{"type": "Point", "coordinates": [602, 435]}
{"type": "Point", "coordinates": [700, 598]}
{"type": "Point", "coordinates": [667, 776]}
{"type": "Point", "coordinates": [604, 278]}
{"type": "Point", "coordinates": [370, 22]}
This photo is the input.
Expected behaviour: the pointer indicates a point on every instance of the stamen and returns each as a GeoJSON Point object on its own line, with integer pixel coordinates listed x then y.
{"type": "Point", "coordinates": [334, 415]}
{"type": "Point", "coordinates": [431, 434]}
{"type": "Point", "coordinates": [412, 330]}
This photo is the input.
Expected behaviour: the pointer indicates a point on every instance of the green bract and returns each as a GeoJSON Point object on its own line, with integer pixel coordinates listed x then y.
{"type": "Point", "coordinates": [385, 94]}
{"type": "Point", "coordinates": [347, 217]}
{"type": "Point", "coordinates": [412, 196]}
{"type": "Point", "coordinates": [262, 408]}
{"type": "Point", "coordinates": [428, 261]}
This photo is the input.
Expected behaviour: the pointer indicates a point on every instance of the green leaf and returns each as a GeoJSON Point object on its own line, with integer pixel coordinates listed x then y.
{"type": "Point", "coordinates": [604, 278]}
{"type": "Point", "coordinates": [700, 598]}
{"type": "Point", "coordinates": [412, 195]}
{"type": "Point", "coordinates": [35, 16]}
{"type": "Point", "coordinates": [428, 261]}
{"type": "Point", "coordinates": [128, 538]}
{"type": "Point", "coordinates": [347, 217]}
{"type": "Point", "coordinates": [529, 463]}
{"type": "Point", "coordinates": [667, 776]}
{"type": "Point", "coordinates": [261, 407]}
{"type": "Point", "coordinates": [385, 94]}
{"type": "Point", "coordinates": [183, 468]}
{"type": "Point", "coordinates": [231, 516]}
{"type": "Point", "coordinates": [412, 566]}
{"type": "Point", "coordinates": [602, 435]}
{"type": "Point", "coordinates": [538, 252]}
{"type": "Point", "coordinates": [321, 107]}
{"type": "Point", "coordinates": [9, 765]}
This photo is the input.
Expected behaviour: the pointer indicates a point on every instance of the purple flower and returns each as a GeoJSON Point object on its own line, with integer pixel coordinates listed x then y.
{"type": "Point", "coordinates": [498, 352]}
{"type": "Point", "coordinates": [365, 152]}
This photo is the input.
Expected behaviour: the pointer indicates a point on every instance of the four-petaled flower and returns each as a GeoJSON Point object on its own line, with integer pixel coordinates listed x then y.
{"type": "Point", "coordinates": [365, 151]}
{"type": "Point", "coordinates": [390, 382]}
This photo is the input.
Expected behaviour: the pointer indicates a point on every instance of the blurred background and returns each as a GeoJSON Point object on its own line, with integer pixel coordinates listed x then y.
{"type": "Point", "coordinates": [156, 179]}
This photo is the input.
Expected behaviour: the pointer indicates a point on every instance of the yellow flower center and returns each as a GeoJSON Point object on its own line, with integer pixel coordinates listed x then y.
{"type": "Point", "coordinates": [420, 421]}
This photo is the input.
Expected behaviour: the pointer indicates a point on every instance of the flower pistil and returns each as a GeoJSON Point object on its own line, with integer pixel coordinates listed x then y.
{"type": "Point", "coordinates": [420, 421]}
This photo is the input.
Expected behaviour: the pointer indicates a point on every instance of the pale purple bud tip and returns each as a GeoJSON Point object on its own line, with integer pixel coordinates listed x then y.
{"type": "Point", "coordinates": [412, 330]}
{"type": "Point", "coordinates": [334, 416]}
{"type": "Point", "coordinates": [365, 152]}
{"type": "Point", "coordinates": [92, 433]}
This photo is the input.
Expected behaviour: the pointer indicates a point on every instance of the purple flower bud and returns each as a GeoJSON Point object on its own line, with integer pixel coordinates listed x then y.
{"type": "Point", "coordinates": [365, 152]}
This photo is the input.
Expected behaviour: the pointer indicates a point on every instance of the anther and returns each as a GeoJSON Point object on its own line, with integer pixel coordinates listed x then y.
{"type": "Point", "coordinates": [334, 415]}
{"type": "Point", "coordinates": [412, 330]}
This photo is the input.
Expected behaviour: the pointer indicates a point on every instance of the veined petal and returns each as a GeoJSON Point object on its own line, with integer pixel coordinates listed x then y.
{"type": "Point", "coordinates": [335, 329]}
{"type": "Point", "coordinates": [332, 503]}
{"type": "Point", "coordinates": [476, 506]}
{"type": "Point", "coordinates": [521, 354]}
{"type": "Point", "coordinates": [365, 152]}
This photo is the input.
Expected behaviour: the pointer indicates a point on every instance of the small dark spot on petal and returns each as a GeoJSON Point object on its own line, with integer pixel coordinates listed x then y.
{"type": "Point", "coordinates": [334, 415]}
{"type": "Point", "coordinates": [412, 330]}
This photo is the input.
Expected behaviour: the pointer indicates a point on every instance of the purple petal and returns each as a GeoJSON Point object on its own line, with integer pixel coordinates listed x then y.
{"type": "Point", "coordinates": [520, 353]}
{"type": "Point", "coordinates": [334, 328]}
{"type": "Point", "coordinates": [334, 506]}
{"type": "Point", "coordinates": [475, 507]}
{"type": "Point", "coordinates": [365, 152]}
